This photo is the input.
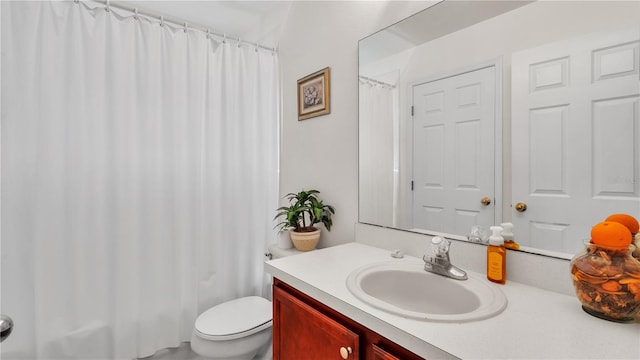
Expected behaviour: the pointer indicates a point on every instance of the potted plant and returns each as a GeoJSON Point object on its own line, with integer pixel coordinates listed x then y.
{"type": "Point", "coordinates": [304, 211]}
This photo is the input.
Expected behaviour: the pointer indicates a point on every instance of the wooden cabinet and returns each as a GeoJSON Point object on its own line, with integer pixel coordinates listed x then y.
{"type": "Point", "coordinates": [302, 332]}
{"type": "Point", "coordinates": [380, 354]}
{"type": "Point", "coordinates": [304, 328]}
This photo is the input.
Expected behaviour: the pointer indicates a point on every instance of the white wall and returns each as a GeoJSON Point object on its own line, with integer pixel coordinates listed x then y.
{"type": "Point", "coordinates": [322, 152]}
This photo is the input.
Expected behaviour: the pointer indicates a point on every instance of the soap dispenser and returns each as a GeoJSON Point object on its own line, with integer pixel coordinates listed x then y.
{"type": "Point", "coordinates": [496, 256]}
{"type": "Point", "coordinates": [507, 235]}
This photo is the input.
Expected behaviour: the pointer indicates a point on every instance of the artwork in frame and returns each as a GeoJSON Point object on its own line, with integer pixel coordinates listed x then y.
{"type": "Point", "coordinates": [314, 95]}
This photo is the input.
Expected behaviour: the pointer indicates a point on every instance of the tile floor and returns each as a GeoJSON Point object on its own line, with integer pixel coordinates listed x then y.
{"type": "Point", "coordinates": [184, 352]}
{"type": "Point", "coordinates": [181, 353]}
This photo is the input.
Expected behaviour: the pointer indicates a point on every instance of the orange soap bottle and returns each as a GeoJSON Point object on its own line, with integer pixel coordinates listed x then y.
{"type": "Point", "coordinates": [496, 257]}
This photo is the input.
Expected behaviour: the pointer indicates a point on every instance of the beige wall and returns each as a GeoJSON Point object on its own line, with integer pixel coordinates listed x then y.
{"type": "Point", "coordinates": [322, 152]}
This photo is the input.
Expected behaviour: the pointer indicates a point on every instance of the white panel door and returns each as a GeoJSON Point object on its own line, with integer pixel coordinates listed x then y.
{"type": "Point", "coordinates": [575, 127]}
{"type": "Point", "coordinates": [453, 152]}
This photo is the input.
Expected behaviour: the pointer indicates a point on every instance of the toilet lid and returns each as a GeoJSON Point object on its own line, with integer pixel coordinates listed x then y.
{"type": "Point", "coordinates": [236, 317]}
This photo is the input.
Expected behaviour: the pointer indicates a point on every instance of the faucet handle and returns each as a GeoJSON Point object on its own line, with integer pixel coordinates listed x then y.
{"type": "Point", "coordinates": [440, 245]}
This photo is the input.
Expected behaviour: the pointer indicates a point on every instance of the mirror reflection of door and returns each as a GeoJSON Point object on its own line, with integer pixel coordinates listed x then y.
{"type": "Point", "coordinates": [576, 137]}
{"type": "Point", "coordinates": [453, 151]}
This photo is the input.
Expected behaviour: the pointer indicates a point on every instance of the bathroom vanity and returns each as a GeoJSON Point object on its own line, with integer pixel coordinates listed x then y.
{"type": "Point", "coordinates": [311, 289]}
{"type": "Point", "coordinates": [306, 328]}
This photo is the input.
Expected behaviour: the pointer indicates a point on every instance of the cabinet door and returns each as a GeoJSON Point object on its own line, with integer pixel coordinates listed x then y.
{"type": "Point", "coordinates": [379, 354]}
{"type": "Point", "coordinates": [302, 332]}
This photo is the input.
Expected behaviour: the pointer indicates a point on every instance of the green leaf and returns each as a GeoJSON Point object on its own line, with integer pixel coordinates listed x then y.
{"type": "Point", "coordinates": [304, 206]}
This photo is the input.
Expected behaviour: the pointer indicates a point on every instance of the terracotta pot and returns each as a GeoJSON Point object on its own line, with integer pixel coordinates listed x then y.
{"type": "Point", "coordinates": [305, 241]}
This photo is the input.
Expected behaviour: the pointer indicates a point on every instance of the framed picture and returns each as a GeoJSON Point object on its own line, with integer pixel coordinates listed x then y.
{"type": "Point", "coordinates": [314, 95]}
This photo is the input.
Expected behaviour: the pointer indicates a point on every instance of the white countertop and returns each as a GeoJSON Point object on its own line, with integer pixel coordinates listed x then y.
{"type": "Point", "coordinates": [537, 324]}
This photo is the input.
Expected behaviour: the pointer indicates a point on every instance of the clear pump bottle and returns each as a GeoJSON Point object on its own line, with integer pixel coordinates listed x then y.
{"type": "Point", "coordinates": [507, 235]}
{"type": "Point", "coordinates": [496, 257]}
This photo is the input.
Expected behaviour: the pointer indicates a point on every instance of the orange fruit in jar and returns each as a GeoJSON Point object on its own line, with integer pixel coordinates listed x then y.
{"type": "Point", "coordinates": [610, 234]}
{"type": "Point", "coordinates": [627, 220]}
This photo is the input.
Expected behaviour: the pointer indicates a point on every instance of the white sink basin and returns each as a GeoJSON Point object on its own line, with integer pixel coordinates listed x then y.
{"type": "Point", "coordinates": [404, 288]}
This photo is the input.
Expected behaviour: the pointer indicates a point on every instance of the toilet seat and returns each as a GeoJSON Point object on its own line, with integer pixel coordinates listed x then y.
{"type": "Point", "coordinates": [234, 319]}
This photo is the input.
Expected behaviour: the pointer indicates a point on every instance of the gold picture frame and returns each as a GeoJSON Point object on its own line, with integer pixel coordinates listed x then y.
{"type": "Point", "coordinates": [314, 94]}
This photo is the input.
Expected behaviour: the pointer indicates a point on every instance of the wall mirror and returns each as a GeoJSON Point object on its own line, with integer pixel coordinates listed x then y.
{"type": "Point", "coordinates": [474, 113]}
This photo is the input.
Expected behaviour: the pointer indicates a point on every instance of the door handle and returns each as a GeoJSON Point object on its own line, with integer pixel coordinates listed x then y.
{"type": "Point", "coordinates": [521, 207]}
{"type": "Point", "coordinates": [485, 201]}
{"type": "Point", "coordinates": [6, 326]}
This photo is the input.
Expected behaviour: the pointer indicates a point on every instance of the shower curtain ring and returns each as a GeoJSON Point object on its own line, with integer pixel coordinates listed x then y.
{"type": "Point", "coordinates": [135, 14]}
{"type": "Point", "coordinates": [186, 26]}
{"type": "Point", "coordinates": [224, 38]}
{"type": "Point", "coordinates": [108, 6]}
{"type": "Point", "coordinates": [161, 20]}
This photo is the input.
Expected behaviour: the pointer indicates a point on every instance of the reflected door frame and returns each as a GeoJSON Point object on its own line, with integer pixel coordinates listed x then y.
{"type": "Point", "coordinates": [497, 196]}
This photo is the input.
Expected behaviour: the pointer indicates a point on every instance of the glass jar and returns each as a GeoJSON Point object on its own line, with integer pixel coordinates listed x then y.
{"type": "Point", "coordinates": [607, 282]}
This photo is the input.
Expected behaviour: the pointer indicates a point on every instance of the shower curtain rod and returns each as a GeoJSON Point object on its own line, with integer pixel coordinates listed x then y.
{"type": "Point", "coordinates": [376, 81]}
{"type": "Point", "coordinates": [176, 22]}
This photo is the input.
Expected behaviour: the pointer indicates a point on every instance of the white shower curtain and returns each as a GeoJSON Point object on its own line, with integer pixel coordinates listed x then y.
{"type": "Point", "coordinates": [378, 166]}
{"type": "Point", "coordinates": [139, 179]}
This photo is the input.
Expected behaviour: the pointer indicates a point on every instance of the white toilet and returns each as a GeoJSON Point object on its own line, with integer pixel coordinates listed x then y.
{"type": "Point", "coordinates": [236, 329]}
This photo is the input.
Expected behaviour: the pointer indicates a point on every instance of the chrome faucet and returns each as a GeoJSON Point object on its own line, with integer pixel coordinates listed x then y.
{"type": "Point", "coordinates": [439, 263]}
